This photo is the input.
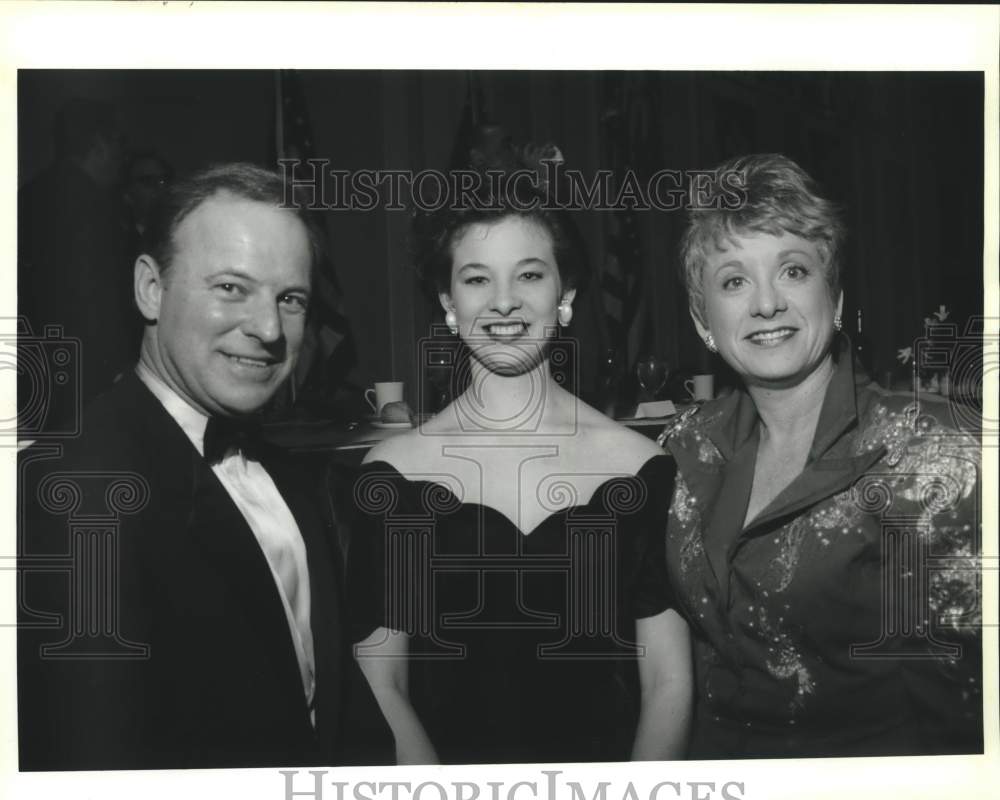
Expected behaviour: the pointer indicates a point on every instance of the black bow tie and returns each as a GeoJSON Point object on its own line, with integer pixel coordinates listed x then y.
{"type": "Point", "coordinates": [223, 434]}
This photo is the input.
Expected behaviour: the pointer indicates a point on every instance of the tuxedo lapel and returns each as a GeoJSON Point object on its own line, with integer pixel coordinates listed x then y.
{"type": "Point", "coordinates": [227, 544]}
{"type": "Point", "coordinates": [197, 510]}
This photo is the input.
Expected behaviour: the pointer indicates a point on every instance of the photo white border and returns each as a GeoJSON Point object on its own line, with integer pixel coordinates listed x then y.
{"type": "Point", "coordinates": [507, 36]}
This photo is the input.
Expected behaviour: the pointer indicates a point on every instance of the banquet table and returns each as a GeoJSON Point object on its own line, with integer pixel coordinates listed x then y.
{"type": "Point", "coordinates": [348, 442]}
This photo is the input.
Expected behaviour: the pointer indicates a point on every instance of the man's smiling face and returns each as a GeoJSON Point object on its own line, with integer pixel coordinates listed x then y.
{"type": "Point", "coordinates": [230, 310]}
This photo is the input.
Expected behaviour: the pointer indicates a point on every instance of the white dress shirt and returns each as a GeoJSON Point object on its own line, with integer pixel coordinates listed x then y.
{"type": "Point", "coordinates": [262, 506]}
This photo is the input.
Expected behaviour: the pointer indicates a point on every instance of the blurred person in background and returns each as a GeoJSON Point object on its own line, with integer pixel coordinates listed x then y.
{"type": "Point", "coordinates": [74, 259]}
{"type": "Point", "coordinates": [147, 174]}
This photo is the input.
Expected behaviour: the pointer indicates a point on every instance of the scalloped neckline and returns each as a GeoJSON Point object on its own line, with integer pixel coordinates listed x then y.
{"type": "Point", "coordinates": [559, 512]}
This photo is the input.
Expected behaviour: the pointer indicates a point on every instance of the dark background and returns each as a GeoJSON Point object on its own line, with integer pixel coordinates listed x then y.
{"type": "Point", "coordinates": [902, 153]}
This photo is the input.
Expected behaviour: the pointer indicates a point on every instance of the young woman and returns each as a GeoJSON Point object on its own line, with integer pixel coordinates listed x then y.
{"type": "Point", "coordinates": [510, 581]}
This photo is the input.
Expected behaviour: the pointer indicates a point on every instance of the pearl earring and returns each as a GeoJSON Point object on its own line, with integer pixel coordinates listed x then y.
{"type": "Point", "coordinates": [710, 343]}
{"type": "Point", "coordinates": [451, 321]}
{"type": "Point", "coordinates": [565, 313]}
{"type": "Point", "coordinates": [838, 323]}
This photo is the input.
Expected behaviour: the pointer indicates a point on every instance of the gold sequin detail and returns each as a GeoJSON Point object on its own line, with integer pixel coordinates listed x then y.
{"type": "Point", "coordinates": [784, 661]}
{"type": "Point", "coordinates": [684, 513]}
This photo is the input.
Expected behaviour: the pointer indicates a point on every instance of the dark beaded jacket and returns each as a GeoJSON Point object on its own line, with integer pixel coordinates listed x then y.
{"type": "Point", "coordinates": [845, 619]}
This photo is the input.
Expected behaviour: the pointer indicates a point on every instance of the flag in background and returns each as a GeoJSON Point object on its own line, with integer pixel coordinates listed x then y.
{"type": "Point", "coordinates": [473, 115]}
{"type": "Point", "coordinates": [627, 122]}
{"type": "Point", "coordinates": [480, 142]}
{"type": "Point", "coordinates": [328, 351]}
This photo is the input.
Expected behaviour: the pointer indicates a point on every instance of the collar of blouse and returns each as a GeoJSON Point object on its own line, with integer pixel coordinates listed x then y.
{"type": "Point", "coordinates": [725, 427]}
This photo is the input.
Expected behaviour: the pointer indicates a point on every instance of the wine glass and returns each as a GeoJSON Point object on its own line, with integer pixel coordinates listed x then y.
{"type": "Point", "coordinates": [440, 368]}
{"type": "Point", "coordinates": [652, 373]}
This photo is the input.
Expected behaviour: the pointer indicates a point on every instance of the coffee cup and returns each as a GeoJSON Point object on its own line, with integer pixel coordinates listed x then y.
{"type": "Point", "coordinates": [700, 387]}
{"type": "Point", "coordinates": [384, 392]}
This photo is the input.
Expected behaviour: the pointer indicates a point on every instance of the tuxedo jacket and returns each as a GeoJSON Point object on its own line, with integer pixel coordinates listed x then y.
{"type": "Point", "coordinates": [151, 631]}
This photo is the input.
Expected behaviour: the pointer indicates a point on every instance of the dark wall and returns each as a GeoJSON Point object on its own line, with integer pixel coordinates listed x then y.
{"type": "Point", "coordinates": [901, 152]}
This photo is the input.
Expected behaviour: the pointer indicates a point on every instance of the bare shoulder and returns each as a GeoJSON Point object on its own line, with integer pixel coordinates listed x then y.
{"type": "Point", "coordinates": [414, 452]}
{"type": "Point", "coordinates": [399, 451]}
{"type": "Point", "coordinates": [622, 448]}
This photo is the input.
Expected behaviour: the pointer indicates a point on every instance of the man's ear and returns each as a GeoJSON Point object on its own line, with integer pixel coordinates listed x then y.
{"type": "Point", "coordinates": [148, 285]}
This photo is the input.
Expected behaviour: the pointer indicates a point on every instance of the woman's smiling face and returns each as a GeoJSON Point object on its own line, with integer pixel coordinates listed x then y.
{"type": "Point", "coordinates": [769, 307]}
{"type": "Point", "coordinates": [505, 289]}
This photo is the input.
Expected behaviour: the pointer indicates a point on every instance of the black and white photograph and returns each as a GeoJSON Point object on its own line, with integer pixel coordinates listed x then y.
{"type": "Point", "coordinates": [602, 428]}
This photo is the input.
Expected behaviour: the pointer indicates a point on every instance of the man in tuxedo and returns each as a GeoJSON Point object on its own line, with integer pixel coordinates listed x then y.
{"type": "Point", "coordinates": [180, 591]}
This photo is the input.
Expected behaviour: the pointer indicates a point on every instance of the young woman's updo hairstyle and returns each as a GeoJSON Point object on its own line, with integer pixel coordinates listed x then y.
{"type": "Point", "coordinates": [499, 193]}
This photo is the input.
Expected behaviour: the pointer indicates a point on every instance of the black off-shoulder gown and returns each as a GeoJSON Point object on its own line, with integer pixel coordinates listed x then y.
{"type": "Point", "coordinates": [522, 646]}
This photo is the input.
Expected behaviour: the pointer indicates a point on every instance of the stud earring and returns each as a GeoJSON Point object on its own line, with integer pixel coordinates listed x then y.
{"type": "Point", "coordinates": [565, 313]}
{"type": "Point", "coordinates": [451, 321]}
{"type": "Point", "coordinates": [838, 323]}
{"type": "Point", "coordinates": [710, 343]}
